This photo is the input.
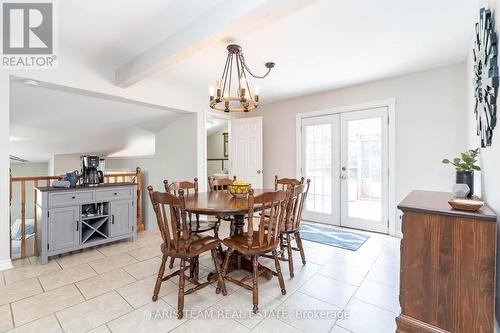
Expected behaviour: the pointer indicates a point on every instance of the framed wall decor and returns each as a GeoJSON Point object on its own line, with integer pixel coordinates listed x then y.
{"type": "Point", "coordinates": [485, 54]}
{"type": "Point", "coordinates": [226, 143]}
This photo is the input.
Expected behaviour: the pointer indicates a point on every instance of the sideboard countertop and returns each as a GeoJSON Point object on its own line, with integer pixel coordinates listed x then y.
{"type": "Point", "coordinates": [83, 188]}
{"type": "Point", "coordinates": [437, 202]}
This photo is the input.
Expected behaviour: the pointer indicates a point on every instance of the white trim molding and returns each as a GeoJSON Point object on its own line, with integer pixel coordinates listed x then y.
{"type": "Point", "coordinates": [390, 103]}
{"type": "Point", "coordinates": [5, 265]}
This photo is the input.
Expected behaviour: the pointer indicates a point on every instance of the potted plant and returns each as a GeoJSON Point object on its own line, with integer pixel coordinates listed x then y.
{"type": "Point", "coordinates": [465, 166]}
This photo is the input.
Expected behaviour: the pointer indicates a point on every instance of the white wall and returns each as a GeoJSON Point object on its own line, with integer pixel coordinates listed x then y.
{"type": "Point", "coordinates": [215, 149]}
{"type": "Point", "coordinates": [215, 144]}
{"type": "Point", "coordinates": [130, 164]}
{"type": "Point", "coordinates": [430, 125]}
{"type": "Point", "coordinates": [63, 163]}
{"type": "Point", "coordinates": [29, 169]}
{"type": "Point", "coordinates": [4, 170]}
{"type": "Point", "coordinates": [177, 150]}
{"type": "Point", "coordinates": [489, 177]}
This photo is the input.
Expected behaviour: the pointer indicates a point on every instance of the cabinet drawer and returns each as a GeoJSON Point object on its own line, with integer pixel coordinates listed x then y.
{"type": "Point", "coordinates": [115, 194]}
{"type": "Point", "coordinates": [70, 198]}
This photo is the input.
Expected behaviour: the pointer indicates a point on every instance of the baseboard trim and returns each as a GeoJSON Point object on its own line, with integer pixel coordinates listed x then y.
{"type": "Point", "coordinates": [5, 264]}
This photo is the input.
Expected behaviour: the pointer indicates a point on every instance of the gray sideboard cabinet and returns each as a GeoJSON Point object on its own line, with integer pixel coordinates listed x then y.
{"type": "Point", "coordinates": [76, 218]}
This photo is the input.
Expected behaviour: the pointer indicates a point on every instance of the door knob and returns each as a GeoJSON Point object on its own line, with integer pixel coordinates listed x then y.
{"type": "Point", "coordinates": [344, 168]}
{"type": "Point", "coordinates": [259, 171]}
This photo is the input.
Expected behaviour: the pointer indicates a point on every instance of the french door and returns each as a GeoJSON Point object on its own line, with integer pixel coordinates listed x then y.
{"type": "Point", "coordinates": [346, 157]}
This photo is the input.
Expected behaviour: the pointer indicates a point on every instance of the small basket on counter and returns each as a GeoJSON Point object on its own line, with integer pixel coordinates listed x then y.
{"type": "Point", "coordinates": [468, 205]}
{"type": "Point", "coordinates": [239, 190]}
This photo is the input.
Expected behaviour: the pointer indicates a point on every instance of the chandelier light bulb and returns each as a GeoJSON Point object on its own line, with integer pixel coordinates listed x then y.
{"type": "Point", "coordinates": [256, 91]}
{"type": "Point", "coordinates": [211, 90]}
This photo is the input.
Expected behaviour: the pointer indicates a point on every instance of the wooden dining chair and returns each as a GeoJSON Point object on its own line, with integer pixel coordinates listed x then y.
{"type": "Point", "coordinates": [283, 183]}
{"type": "Point", "coordinates": [180, 242]}
{"type": "Point", "coordinates": [264, 240]}
{"type": "Point", "coordinates": [196, 226]}
{"type": "Point", "coordinates": [221, 184]}
{"type": "Point", "coordinates": [291, 225]}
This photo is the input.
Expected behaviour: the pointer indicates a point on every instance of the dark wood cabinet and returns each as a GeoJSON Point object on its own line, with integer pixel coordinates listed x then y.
{"type": "Point", "coordinates": [447, 281]}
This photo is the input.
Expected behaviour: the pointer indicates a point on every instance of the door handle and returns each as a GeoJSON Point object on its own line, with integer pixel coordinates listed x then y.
{"type": "Point", "coordinates": [112, 219]}
{"type": "Point", "coordinates": [76, 225]}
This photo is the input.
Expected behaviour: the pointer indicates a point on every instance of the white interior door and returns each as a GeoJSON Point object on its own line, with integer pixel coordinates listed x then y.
{"type": "Point", "coordinates": [246, 150]}
{"type": "Point", "coordinates": [364, 169]}
{"type": "Point", "coordinates": [320, 163]}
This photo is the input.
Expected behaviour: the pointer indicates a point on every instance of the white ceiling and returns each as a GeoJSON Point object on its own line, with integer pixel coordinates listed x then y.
{"type": "Point", "coordinates": [336, 43]}
{"type": "Point", "coordinates": [110, 33]}
{"type": "Point", "coordinates": [327, 44]}
{"type": "Point", "coordinates": [47, 120]}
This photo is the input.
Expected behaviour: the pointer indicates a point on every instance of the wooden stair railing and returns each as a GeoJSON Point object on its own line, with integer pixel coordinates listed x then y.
{"type": "Point", "coordinates": [133, 177]}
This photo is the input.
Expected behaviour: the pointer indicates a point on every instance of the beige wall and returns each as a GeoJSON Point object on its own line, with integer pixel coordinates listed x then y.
{"type": "Point", "coordinates": [430, 125]}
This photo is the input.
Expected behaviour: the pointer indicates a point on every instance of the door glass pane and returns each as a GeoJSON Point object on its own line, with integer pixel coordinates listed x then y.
{"type": "Point", "coordinates": [364, 168]}
{"type": "Point", "coordinates": [318, 167]}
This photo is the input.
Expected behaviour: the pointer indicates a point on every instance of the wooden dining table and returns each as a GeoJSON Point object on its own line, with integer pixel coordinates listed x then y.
{"type": "Point", "coordinates": [223, 204]}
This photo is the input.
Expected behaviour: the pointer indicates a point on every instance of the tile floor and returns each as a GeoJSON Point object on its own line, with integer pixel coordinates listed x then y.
{"type": "Point", "coordinates": [108, 289]}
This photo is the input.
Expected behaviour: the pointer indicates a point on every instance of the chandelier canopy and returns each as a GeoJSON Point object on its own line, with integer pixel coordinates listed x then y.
{"type": "Point", "coordinates": [229, 96]}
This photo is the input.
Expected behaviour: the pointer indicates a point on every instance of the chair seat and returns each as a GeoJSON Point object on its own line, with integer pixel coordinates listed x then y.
{"type": "Point", "coordinates": [202, 226]}
{"type": "Point", "coordinates": [199, 244]}
{"type": "Point", "coordinates": [240, 244]}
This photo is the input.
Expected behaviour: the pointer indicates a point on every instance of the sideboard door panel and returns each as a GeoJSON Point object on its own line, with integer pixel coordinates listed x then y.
{"type": "Point", "coordinates": [63, 228]}
{"type": "Point", "coordinates": [447, 267]}
{"type": "Point", "coordinates": [122, 213]}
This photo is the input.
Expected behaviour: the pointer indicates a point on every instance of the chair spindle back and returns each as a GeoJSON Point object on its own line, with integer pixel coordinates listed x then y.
{"type": "Point", "coordinates": [188, 187]}
{"type": "Point", "coordinates": [283, 183]}
{"type": "Point", "coordinates": [171, 217]}
{"type": "Point", "coordinates": [217, 185]}
{"type": "Point", "coordinates": [296, 205]}
{"type": "Point", "coordinates": [271, 219]}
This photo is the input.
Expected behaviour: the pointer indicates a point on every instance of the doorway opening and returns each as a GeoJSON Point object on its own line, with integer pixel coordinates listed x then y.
{"type": "Point", "coordinates": [218, 154]}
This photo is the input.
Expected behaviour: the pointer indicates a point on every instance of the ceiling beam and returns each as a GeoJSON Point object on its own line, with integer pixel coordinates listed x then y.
{"type": "Point", "coordinates": [229, 18]}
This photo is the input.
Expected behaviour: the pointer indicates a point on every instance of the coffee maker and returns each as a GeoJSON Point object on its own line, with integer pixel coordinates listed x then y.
{"type": "Point", "coordinates": [91, 175]}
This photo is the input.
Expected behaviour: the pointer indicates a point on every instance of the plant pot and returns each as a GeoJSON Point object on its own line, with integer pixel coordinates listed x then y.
{"type": "Point", "coordinates": [466, 177]}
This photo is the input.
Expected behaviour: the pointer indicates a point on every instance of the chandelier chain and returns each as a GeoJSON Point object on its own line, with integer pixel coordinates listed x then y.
{"type": "Point", "coordinates": [249, 71]}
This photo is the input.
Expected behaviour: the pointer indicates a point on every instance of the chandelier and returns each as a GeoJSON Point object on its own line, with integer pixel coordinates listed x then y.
{"type": "Point", "coordinates": [229, 96]}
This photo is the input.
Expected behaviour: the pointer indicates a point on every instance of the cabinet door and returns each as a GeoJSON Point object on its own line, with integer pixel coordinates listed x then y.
{"type": "Point", "coordinates": [63, 228]}
{"type": "Point", "coordinates": [122, 215]}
